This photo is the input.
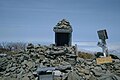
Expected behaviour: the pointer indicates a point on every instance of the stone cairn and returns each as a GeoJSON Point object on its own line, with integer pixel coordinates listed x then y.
{"type": "Point", "coordinates": [22, 66]}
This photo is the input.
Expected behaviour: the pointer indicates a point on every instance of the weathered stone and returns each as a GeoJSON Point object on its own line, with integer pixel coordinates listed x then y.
{"type": "Point", "coordinates": [3, 55]}
{"type": "Point", "coordinates": [8, 78]}
{"type": "Point", "coordinates": [83, 65]}
{"type": "Point", "coordinates": [117, 65]}
{"type": "Point", "coordinates": [58, 53]}
{"type": "Point", "coordinates": [98, 68]}
{"type": "Point", "coordinates": [3, 64]}
{"type": "Point", "coordinates": [103, 67]}
{"type": "Point", "coordinates": [116, 60]}
{"type": "Point", "coordinates": [97, 73]}
{"type": "Point", "coordinates": [29, 74]}
{"type": "Point", "coordinates": [80, 74]}
{"type": "Point", "coordinates": [30, 46]}
{"type": "Point", "coordinates": [24, 62]}
{"type": "Point", "coordinates": [87, 67]}
{"type": "Point", "coordinates": [37, 61]}
{"type": "Point", "coordinates": [7, 74]}
{"type": "Point", "coordinates": [9, 65]}
{"type": "Point", "coordinates": [13, 69]}
{"type": "Point", "coordinates": [92, 77]}
{"type": "Point", "coordinates": [74, 76]}
{"type": "Point", "coordinates": [42, 57]}
{"type": "Point", "coordinates": [30, 64]}
{"type": "Point", "coordinates": [14, 75]}
{"type": "Point", "coordinates": [87, 77]}
{"type": "Point", "coordinates": [118, 74]}
{"type": "Point", "coordinates": [26, 56]}
{"type": "Point", "coordinates": [24, 66]}
{"type": "Point", "coordinates": [64, 63]}
{"type": "Point", "coordinates": [25, 78]}
{"type": "Point", "coordinates": [87, 72]}
{"type": "Point", "coordinates": [89, 63]}
{"type": "Point", "coordinates": [109, 77]}
{"type": "Point", "coordinates": [2, 73]}
{"type": "Point", "coordinates": [92, 67]}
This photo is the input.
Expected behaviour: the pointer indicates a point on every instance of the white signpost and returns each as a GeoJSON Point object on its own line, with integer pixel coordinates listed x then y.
{"type": "Point", "coordinates": [102, 34]}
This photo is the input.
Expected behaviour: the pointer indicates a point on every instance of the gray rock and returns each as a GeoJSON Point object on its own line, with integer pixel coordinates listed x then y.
{"type": "Point", "coordinates": [25, 78]}
{"type": "Point", "coordinates": [30, 64]}
{"type": "Point", "coordinates": [92, 77]}
{"type": "Point", "coordinates": [58, 53]}
{"type": "Point", "coordinates": [92, 67]}
{"type": "Point", "coordinates": [48, 52]}
{"type": "Point", "coordinates": [117, 66]}
{"type": "Point", "coordinates": [24, 62]}
{"type": "Point", "coordinates": [37, 61]}
{"type": "Point", "coordinates": [87, 72]}
{"type": "Point", "coordinates": [9, 65]}
{"type": "Point", "coordinates": [116, 60]}
{"type": "Point", "coordinates": [97, 73]}
{"type": "Point", "coordinates": [87, 67]}
{"type": "Point", "coordinates": [103, 67]}
{"type": "Point", "coordinates": [84, 71]}
{"type": "Point", "coordinates": [71, 61]}
{"type": "Point", "coordinates": [24, 57]}
{"type": "Point", "coordinates": [88, 63]}
{"type": "Point", "coordinates": [2, 73]}
{"type": "Point", "coordinates": [41, 57]}
{"type": "Point", "coordinates": [64, 63]}
{"type": "Point", "coordinates": [117, 71]}
{"type": "Point", "coordinates": [24, 66]}
{"type": "Point", "coordinates": [8, 78]}
{"type": "Point", "coordinates": [7, 74]}
{"type": "Point", "coordinates": [109, 77]}
{"type": "Point", "coordinates": [87, 77]}
{"type": "Point", "coordinates": [3, 64]}
{"type": "Point", "coordinates": [29, 74]}
{"type": "Point", "coordinates": [30, 46]}
{"type": "Point", "coordinates": [73, 76]}
{"type": "Point", "coordinates": [14, 75]}
{"type": "Point", "coordinates": [3, 55]}
{"type": "Point", "coordinates": [83, 65]}
{"type": "Point", "coordinates": [13, 69]}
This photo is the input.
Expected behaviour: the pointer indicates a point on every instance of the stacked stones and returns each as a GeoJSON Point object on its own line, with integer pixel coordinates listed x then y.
{"type": "Point", "coordinates": [89, 70]}
{"type": "Point", "coordinates": [21, 66]}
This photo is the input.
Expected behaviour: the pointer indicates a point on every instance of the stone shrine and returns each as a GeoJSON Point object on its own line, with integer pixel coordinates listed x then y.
{"type": "Point", "coordinates": [63, 33]}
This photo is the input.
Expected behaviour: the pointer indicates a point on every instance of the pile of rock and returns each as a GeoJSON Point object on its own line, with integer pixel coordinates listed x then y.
{"type": "Point", "coordinates": [89, 70]}
{"type": "Point", "coordinates": [21, 66]}
{"type": "Point", "coordinates": [16, 67]}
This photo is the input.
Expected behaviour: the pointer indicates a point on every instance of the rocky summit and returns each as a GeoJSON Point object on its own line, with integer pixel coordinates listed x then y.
{"type": "Point", "coordinates": [65, 61]}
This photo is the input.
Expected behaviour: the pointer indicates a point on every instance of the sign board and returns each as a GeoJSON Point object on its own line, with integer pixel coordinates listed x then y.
{"type": "Point", "coordinates": [102, 34]}
{"type": "Point", "coordinates": [104, 60]}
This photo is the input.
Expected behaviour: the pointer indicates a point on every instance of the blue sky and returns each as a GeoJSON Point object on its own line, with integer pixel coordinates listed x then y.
{"type": "Point", "coordinates": [33, 20]}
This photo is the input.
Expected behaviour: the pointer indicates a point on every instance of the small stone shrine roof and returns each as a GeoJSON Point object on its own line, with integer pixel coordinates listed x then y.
{"type": "Point", "coordinates": [63, 26]}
